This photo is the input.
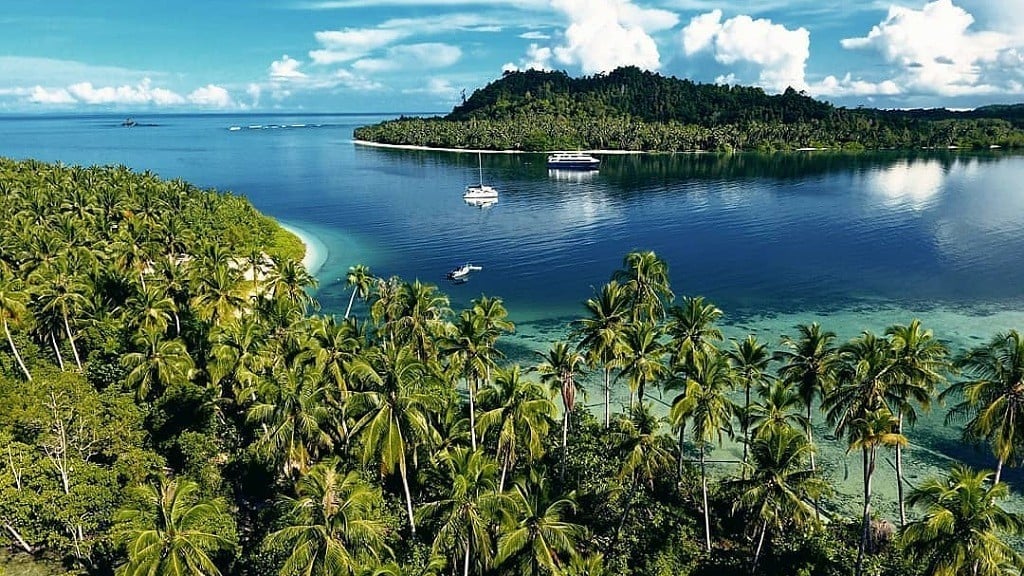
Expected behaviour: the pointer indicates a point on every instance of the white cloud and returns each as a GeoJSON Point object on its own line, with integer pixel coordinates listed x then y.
{"type": "Point", "coordinates": [535, 35]}
{"type": "Point", "coordinates": [935, 51]}
{"type": "Point", "coordinates": [778, 54]}
{"type": "Point", "coordinates": [140, 94]}
{"type": "Point", "coordinates": [353, 81]}
{"type": "Point", "coordinates": [286, 68]}
{"type": "Point", "coordinates": [411, 57]}
{"type": "Point", "coordinates": [849, 86]}
{"type": "Point", "coordinates": [57, 96]}
{"type": "Point", "coordinates": [440, 87]}
{"type": "Point", "coordinates": [537, 58]}
{"type": "Point", "coordinates": [351, 44]}
{"type": "Point", "coordinates": [605, 34]}
{"type": "Point", "coordinates": [211, 96]}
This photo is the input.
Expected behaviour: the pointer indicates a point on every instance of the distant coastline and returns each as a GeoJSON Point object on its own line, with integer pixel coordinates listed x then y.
{"type": "Point", "coordinates": [484, 151]}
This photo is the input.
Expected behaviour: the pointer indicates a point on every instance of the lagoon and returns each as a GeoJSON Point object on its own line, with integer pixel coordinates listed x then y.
{"type": "Point", "coordinates": [852, 241]}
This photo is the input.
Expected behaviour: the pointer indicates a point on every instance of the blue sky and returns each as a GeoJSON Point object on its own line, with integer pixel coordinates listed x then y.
{"type": "Point", "coordinates": [418, 55]}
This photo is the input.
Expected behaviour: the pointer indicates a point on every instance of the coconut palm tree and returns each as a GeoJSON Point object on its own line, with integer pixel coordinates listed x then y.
{"type": "Point", "coordinates": [642, 357]}
{"type": "Point", "coordinates": [61, 292]}
{"type": "Point", "coordinates": [705, 406]}
{"type": "Point", "coordinates": [992, 398]}
{"type": "Point", "coordinates": [645, 278]}
{"type": "Point", "coordinates": [692, 328]}
{"type": "Point", "coordinates": [470, 347]}
{"type": "Point", "coordinates": [12, 311]}
{"type": "Point", "coordinates": [169, 530]}
{"type": "Point", "coordinates": [336, 345]}
{"type": "Point", "coordinates": [642, 452]}
{"type": "Point", "coordinates": [421, 314]}
{"type": "Point", "coordinates": [217, 294]}
{"type": "Point", "coordinates": [921, 361]}
{"type": "Point", "coordinates": [158, 364]}
{"type": "Point", "coordinates": [602, 335]}
{"type": "Point", "coordinates": [494, 317]}
{"type": "Point", "coordinates": [394, 411]}
{"type": "Point", "coordinates": [542, 540]}
{"type": "Point", "coordinates": [809, 362]}
{"type": "Point", "coordinates": [150, 309]}
{"type": "Point", "coordinates": [867, 433]}
{"type": "Point", "coordinates": [360, 280]}
{"type": "Point", "coordinates": [288, 279]}
{"type": "Point", "coordinates": [964, 530]}
{"type": "Point", "coordinates": [780, 405]}
{"type": "Point", "coordinates": [468, 509]}
{"type": "Point", "coordinates": [521, 412]}
{"type": "Point", "coordinates": [559, 370]}
{"type": "Point", "coordinates": [780, 484]}
{"type": "Point", "coordinates": [749, 360]}
{"type": "Point", "coordinates": [238, 352]}
{"type": "Point", "coordinates": [296, 419]}
{"type": "Point", "coordinates": [333, 525]}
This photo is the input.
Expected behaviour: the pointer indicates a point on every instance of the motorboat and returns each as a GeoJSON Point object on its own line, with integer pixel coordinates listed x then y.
{"type": "Point", "coordinates": [480, 191]}
{"type": "Point", "coordinates": [462, 272]}
{"type": "Point", "coordinates": [128, 123]}
{"type": "Point", "coordinates": [572, 161]}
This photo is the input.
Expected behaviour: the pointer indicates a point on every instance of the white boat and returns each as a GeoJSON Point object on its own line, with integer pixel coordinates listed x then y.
{"type": "Point", "coordinates": [462, 272]}
{"type": "Point", "coordinates": [572, 161]}
{"type": "Point", "coordinates": [480, 191]}
{"type": "Point", "coordinates": [481, 202]}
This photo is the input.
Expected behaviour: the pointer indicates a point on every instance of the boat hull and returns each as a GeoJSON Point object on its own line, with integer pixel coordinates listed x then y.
{"type": "Point", "coordinates": [575, 165]}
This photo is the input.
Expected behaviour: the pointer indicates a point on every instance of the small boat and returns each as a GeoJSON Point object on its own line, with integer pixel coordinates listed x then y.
{"type": "Point", "coordinates": [480, 191]}
{"type": "Point", "coordinates": [481, 202]}
{"type": "Point", "coordinates": [462, 272]}
{"type": "Point", "coordinates": [128, 123]}
{"type": "Point", "coordinates": [572, 161]}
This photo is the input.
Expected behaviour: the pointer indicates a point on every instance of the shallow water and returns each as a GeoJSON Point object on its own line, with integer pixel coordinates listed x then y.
{"type": "Point", "coordinates": [853, 241]}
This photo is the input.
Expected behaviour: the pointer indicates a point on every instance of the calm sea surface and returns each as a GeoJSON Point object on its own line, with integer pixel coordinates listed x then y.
{"type": "Point", "coordinates": [853, 241]}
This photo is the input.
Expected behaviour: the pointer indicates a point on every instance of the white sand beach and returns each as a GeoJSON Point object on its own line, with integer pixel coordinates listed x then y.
{"type": "Point", "coordinates": [316, 250]}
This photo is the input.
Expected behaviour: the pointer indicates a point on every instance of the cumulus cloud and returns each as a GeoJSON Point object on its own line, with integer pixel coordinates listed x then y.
{"type": "Point", "coordinates": [56, 96]}
{"type": "Point", "coordinates": [777, 54]}
{"type": "Point", "coordinates": [411, 56]}
{"type": "Point", "coordinates": [351, 44]}
{"type": "Point", "coordinates": [286, 68]}
{"type": "Point", "coordinates": [535, 35]}
{"type": "Point", "coordinates": [935, 51]}
{"type": "Point", "coordinates": [537, 58]}
{"type": "Point", "coordinates": [849, 86]}
{"type": "Point", "coordinates": [140, 94]}
{"type": "Point", "coordinates": [605, 34]}
{"type": "Point", "coordinates": [211, 96]}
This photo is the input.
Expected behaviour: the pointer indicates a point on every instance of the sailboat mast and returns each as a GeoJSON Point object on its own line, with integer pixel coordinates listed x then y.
{"type": "Point", "coordinates": [480, 162]}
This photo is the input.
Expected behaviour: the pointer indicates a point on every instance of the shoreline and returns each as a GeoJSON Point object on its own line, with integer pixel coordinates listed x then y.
{"type": "Point", "coordinates": [316, 251]}
{"type": "Point", "coordinates": [481, 151]}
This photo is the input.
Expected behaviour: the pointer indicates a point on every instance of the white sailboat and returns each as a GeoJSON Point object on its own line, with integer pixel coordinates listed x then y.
{"type": "Point", "coordinates": [476, 193]}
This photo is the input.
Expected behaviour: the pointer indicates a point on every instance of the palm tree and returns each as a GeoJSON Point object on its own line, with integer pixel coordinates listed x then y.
{"type": "Point", "coordinates": [157, 365]}
{"type": "Point", "coordinates": [642, 357]}
{"type": "Point", "coordinates": [992, 405]}
{"type": "Point", "coordinates": [150, 309]}
{"type": "Point", "coordinates": [559, 369]}
{"type": "Point", "coordinates": [780, 406]}
{"type": "Point", "coordinates": [333, 525]}
{"type": "Point", "coordinates": [521, 411]}
{"type": "Point", "coordinates": [296, 420]}
{"type": "Point", "coordinates": [360, 280]}
{"type": "Point", "coordinates": [422, 311]}
{"type": "Point", "coordinates": [867, 433]}
{"type": "Point", "coordinates": [542, 540]}
{"type": "Point", "coordinates": [780, 484]}
{"type": "Point", "coordinates": [964, 530]}
{"type": "Point", "coordinates": [602, 335]}
{"type": "Point", "coordinates": [394, 412]}
{"type": "Point", "coordinates": [168, 530]}
{"type": "Point", "coordinates": [494, 317]}
{"type": "Point", "coordinates": [705, 405]}
{"type": "Point", "coordinates": [217, 294]}
{"type": "Point", "coordinates": [61, 292]}
{"type": "Point", "coordinates": [692, 328]}
{"type": "Point", "coordinates": [470, 347]}
{"type": "Point", "coordinates": [469, 509]}
{"type": "Point", "coordinates": [337, 344]}
{"type": "Point", "coordinates": [749, 360]}
{"type": "Point", "coordinates": [238, 351]}
{"type": "Point", "coordinates": [645, 277]}
{"type": "Point", "coordinates": [287, 279]}
{"type": "Point", "coordinates": [642, 452]}
{"type": "Point", "coordinates": [13, 311]}
{"type": "Point", "coordinates": [920, 363]}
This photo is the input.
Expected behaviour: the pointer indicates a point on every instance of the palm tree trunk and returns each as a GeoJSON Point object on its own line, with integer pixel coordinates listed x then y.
{"type": "Point", "coordinates": [14, 349]}
{"type": "Point", "coordinates": [746, 432]}
{"type": "Point", "coordinates": [351, 299]}
{"type": "Point", "coordinates": [565, 439]}
{"type": "Point", "coordinates": [866, 528]}
{"type": "Point", "coordinates": [465, 561]}
{"type": "Point", "coordinates": [640, 392]}
{"type": "Point", "coordinates": [472, 413]}
{"type": "Point", "coordinates": [760, 543]}
{"type": "Point", "coordinates": [177, 324]}
{"type": "Point", "coordinates": [56, 350]}
{"type": "Point", "coordinates": [899, 473]}
{"type": "Point", "coordinates": [679, 464]}
{"type": "Point", "coordinates": [999, 471]}
{"type": "Point", "coordinates": [408, 499]}
{"type": "Point", "coordinates": [607, 398]}
{"type": "Point", "coordinates": [626, 509]}
{"type": "Point", "coordinates": [814, 469]}
{"type": "Point", "coordinates": [704, 490]}
{"type": "Point", "coordinates": [71, 339]}
{"type": "Point", "coordinates": [504, 469]}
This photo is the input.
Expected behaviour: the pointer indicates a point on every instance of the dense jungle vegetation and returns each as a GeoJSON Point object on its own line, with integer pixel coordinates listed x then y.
{"type": "Point", "coordinates": [174, 404]}
{"type": "Point", "coordinates": [630, 109]}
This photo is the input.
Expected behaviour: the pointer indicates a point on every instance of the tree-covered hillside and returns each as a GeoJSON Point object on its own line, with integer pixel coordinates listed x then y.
{"type": "Point", "coordinates": [632, 109]}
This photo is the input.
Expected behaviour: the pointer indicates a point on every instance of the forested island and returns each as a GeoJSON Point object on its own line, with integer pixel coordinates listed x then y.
{"type": "Point", "coordinates": [634, 110]}
{"type": "Point", "coordinates": [173, 403]}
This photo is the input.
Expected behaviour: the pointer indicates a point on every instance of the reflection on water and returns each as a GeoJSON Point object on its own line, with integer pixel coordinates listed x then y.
{"type": "Point", "coordinates": [914, 183]}
{"type": "Point", "coordinates": [572, 175]}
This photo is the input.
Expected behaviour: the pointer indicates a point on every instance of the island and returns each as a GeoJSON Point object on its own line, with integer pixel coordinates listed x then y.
{"type": "Point", "coordinates": [635, 110]}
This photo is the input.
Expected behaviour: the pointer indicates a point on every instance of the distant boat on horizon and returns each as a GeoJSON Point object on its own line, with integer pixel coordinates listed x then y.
{"type": "Point", "coordinates": [128, 123]}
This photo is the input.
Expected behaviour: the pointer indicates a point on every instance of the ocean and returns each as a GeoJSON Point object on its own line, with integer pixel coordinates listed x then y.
{"type": "Point", "coordinates": [855, 242]}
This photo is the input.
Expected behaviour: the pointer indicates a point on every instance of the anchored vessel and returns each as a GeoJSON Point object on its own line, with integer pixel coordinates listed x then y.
{"type": "Point", "coordinates": [572, 161]}
{"type": "Point", "coordinates": [462, 272]}
{"type": "Point", "coordinates": [481, 191]}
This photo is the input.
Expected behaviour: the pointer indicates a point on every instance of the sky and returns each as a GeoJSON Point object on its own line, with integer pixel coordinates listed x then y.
{"type": "Point", "coordinates": [87, 56]}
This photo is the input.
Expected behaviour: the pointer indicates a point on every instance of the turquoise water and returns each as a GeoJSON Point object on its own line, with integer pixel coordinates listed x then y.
{"type": "Point", "coordinates": [854, 242]}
